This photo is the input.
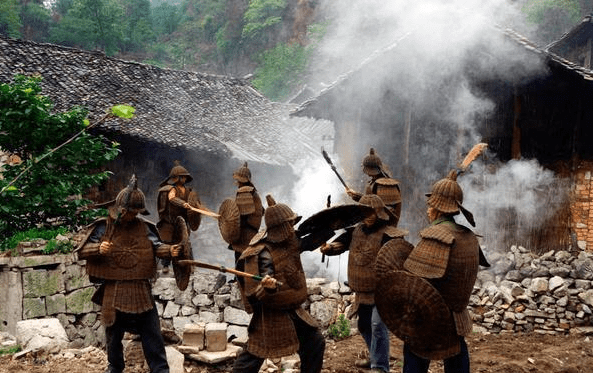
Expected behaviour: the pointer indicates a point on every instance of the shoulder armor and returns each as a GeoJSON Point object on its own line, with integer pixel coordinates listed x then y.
{"type": "Point", "coordinates": [439, 233]}
{"type": "Point", "coordinates": [90, 229]}
{"type": "Point", "coordinates": [151, 226]}
{"type": "Point", "coordinates": [165, 188]}
{"type": "Point", "coordinates": [252, 250]}
{"type": "Point", "coordinates": [395, 232]}
{"type": "Point", "coordinates": [429, 259]}
{"type": "Point", "coordinates": [259, 237]}
{"type": "Point", "coordinates": [245, 189]}
{"type": "Point", "coordinates": [387, 181]}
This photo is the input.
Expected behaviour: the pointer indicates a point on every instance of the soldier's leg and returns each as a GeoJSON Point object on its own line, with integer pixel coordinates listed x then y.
{"type": "Point", "coordinates": [414, 363]}
{"type": "Point", "coordinates": [379, 351]}
{"type": "Point", "coordinates": [460, 362]}
{"type": "Point", "coordinates": [247, 363]}
{"type": "Point", "coordinates": [311, 346]}
{"type": "Point", "coordinates": [365, 315]}
{"type": "Point", "coordinates": [115, 352]}
{"type": "Point", "coordinates": [153, 344]}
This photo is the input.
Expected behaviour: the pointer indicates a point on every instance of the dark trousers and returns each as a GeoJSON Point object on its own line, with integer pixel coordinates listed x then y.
{"type": "Point", "coordinates": [455, 364]}
{"type": "Point", "coordinates": [147, 325]}
{"type": "Point", "coordinates": [311, 349]}
{"type": "Point", "coordinates": [375, 334]}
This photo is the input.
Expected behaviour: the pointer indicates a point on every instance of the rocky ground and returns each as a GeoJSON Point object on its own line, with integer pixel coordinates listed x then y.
{"type": "Point", "coordinates": [490, 353]}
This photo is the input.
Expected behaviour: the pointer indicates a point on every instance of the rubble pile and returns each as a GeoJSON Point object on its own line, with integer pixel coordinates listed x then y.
{"type": "Point", "coordinates": [547, 294]}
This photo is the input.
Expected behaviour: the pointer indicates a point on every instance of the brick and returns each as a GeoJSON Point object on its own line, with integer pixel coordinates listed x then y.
{"type": "Point", "coordinates": [194, 335]}
{"type": "Point", "coordinates": [216, 337]}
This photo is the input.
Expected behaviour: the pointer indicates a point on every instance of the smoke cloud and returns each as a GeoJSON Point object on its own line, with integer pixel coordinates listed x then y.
{"type": "Point", "coordinates": [425, 54]}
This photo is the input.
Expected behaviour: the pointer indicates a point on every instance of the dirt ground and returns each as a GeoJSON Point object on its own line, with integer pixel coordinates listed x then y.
{"type": "Point", "coordinates": [502, 353]}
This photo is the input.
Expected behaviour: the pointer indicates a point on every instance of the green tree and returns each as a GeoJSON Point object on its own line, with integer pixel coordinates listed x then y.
{"type": "Point", "coordinates": [165, 19]}
{"type": "Point", "coordinates": [91, 24]}
{"type": "Point", "coordinates": [280, 70]}
{"type": "Point", "coordinates": [61, 7]}
{"type": "Point", "coordinates": [261, 15]}
{"type": "Point", "coordinates": [137, 24]}
{"type": "Point", "coordinates": [10, 23]}
{"type": "Point", "coordinates": [553, 17]}
{"type": "Point", "coordinates": [57, 167]}
{"type": "Point", "coordinates": [36, 19]}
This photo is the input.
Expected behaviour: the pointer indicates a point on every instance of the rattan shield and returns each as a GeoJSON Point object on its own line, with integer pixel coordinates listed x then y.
{"type": "Point", "coordinates": [194, 218]}
{"type": "Point", "coordinates": [182, 272]}
{"type": "Point", "coordinates": [334, 218]}
{"type": "Point", "coordinates": [416, 313]}
{"type": "Point", "coordinates": [229, 222]}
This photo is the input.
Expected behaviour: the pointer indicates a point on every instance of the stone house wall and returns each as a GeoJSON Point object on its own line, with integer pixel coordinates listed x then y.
{"type": "Point", "coordinates": [551, 293]}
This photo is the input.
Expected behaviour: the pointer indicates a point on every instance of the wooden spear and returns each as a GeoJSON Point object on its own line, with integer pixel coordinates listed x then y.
{"type": "Point", "coordinates": [195, 263]}
{"type": "Point", "coordinates": [205, 212]}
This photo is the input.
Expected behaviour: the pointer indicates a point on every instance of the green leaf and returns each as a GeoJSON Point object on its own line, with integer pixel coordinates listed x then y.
{"type": "Point", "coordinates": [123, 111]}
{"type": "Point", "coordinates": [86, 122]}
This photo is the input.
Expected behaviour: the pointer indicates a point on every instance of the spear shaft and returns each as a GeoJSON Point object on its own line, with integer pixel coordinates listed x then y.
{"type": "Point", "coordinates": [329, 161]}
{"type": "Point", "coordinates": [223, 269]}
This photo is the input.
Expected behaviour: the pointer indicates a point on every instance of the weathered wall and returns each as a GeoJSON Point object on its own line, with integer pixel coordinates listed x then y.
{"type": "Point", "coordinates": [582, 206]}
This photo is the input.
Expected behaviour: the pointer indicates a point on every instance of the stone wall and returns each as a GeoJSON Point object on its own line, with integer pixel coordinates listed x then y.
{"type": "Point", "coordinates": [49, 286]}
{"type": "Point", "coordinates": [551, 293]}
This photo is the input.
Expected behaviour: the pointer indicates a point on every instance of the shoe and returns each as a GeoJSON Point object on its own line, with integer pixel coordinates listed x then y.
{"type": "Point", "coordinates": [362, 363]}
{"type": "Point", "coordinates": [111, 369]}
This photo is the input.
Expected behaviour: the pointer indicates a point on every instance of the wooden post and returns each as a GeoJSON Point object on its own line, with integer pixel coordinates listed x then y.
{"type": "Point", "coordinates": [587, 63]}
{"type": "Point", "coordinates": [516, 144]}
{"type": "Point", "coordinates": [407, 126]}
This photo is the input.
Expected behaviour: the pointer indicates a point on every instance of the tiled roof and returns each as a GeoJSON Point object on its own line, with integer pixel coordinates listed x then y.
{"type": "Point", "coordinates": [579, 34]}
{"type": "Point", "coordinates": [551, 57]}
{"type": "Point", "coordinates": [197, 111]}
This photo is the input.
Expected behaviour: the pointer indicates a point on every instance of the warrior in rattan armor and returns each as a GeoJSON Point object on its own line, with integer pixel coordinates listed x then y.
{"type": "Point", "coordinates": [441, 271]}
{"type": "Point", "coordinates": [279, 325]}
{"type": "Point", "coordinates": [175, 199]}
{"type": "Point", "coordinates": [381, 183]}
{"type": "Point", "coordinates": [250, 209]}
{"type": "Point", "coordinates": [121, 253]}
{"type": "Point", "coordinates": [364, 242]}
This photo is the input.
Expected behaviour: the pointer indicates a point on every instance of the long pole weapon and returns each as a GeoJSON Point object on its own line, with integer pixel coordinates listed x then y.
{"type": "Point", "coordinates": [205, 212]}
{"type": "Point", "coordinates": [333, 167]}
{"type": "Point", "coordinates": [195, 263]}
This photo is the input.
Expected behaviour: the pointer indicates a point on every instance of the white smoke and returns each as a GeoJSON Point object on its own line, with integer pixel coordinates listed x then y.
{"type": "Point", "coordinates": [521, 192]}
{"type": "Point", "coordinates": [316, 181]}
{"type": "Point", "coordinates": [436, 47]}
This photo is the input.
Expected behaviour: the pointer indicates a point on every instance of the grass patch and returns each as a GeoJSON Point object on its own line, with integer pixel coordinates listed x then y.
{"type": "Point", "coordinates": [53, 246]}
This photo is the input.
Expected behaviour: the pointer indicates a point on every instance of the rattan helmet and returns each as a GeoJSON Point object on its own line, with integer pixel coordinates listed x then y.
{"type": "Point", "coordinates": [278, 213]}
{"type": "Point", "coordinates": [446, 194]}
{"type": "Point", "coordinates": [280, 220]}
{"type": "Point", "coordinates": [376, 203]}
{"type": "Point", "coordinates": [371, 164]}
{"type": "Point", "coordinates": [131, 198]}
{"type": "Point", "coordinates": [177, 170]}
{"type": "Point", "coordinates": [242, 174]}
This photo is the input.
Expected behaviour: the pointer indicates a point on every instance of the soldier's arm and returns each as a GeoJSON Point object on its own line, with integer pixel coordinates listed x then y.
{"type": "Point", "coordinates": [340, 245]}
{"type": "Point", "coordinates": [161, 250]}
{"type": "Point", "coordinates": [93, 242]}
{"type": "Point", "coordinates": [266, 270]}
{"type": "Point", "coordinates": [354, 194]}
{"type": "Point", "coordinates": [172, 196]}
